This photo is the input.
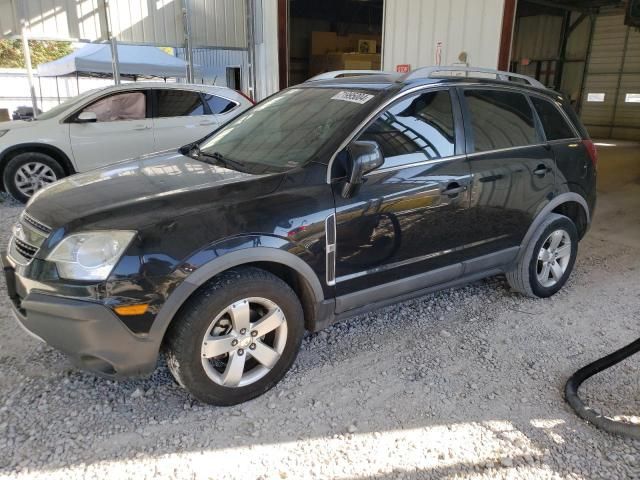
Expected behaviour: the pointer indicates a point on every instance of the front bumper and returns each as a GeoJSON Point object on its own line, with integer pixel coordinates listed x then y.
{"type": "Point", "coordinates": [88, 332]}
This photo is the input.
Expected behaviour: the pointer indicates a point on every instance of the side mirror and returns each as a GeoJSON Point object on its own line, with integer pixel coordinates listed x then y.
{"type": "Point", "coordinates": [87, 117]}
{"type": "Point", "coordinates": [364, 156]}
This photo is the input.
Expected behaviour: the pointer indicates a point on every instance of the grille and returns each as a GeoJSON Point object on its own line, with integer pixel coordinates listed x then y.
{"type": "Point", "coordinates": [28, 219]}
{"type": "Point", "coordinates": [29, 235]}
{"type": "Point", "coordinates": [24, 249]}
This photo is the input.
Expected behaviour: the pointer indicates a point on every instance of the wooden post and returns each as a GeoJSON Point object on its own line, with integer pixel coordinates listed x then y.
{"type": "Point", "coordinates": [506, 37]}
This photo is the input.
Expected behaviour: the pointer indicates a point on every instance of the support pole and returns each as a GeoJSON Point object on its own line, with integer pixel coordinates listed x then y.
{"type": "Point", "coordinates": [251, 48]}
{"type": "Point", "coordinates": [115, 64]}
{"type": "Point", "coordinates": [186, 21]}
{"type": "Point", "coordinates": [27, 60]}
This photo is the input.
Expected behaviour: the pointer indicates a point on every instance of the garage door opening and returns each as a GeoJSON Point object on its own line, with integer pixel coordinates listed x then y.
{"type": "Point", "coordinates": [589, 51]}
{"type": "Point", "coordinates": [318, 37]}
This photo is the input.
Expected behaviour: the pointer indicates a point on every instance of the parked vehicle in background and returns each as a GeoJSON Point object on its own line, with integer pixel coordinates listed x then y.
{"type": "Point", "coordinates": [23, 113]}
{"type": "Point", "coordinates": [105, 126]}
{"type": "Point", "coordinates": [323, 202]}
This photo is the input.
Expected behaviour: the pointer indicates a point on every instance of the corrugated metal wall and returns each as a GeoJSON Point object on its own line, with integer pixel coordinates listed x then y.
{"type": "Point", "coordinates": [538, 37]}
{"type": "Point", "coordinates": [212, 65]}
{"type": "Point", "coordinates": [215, 23]}
{"type": "Point", "coordinates": [614, 69]}
{"type": "Point", "coordinates": [413, 27]}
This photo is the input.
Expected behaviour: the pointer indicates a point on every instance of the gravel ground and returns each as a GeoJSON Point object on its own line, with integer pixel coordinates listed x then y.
{"type": "Point", "coordinates": [466, 383]}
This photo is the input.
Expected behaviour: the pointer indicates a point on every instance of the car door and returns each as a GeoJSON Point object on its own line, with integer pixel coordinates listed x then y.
{"type": "Point", "coordinates": [405, 228]}
{"type": "Point", "coordinates": [574, 169]}
{"type": "Point", "coordinates": [123, 129]}
{"type": "Point", "coordinates": [511, 165]}
{"type": "Point", "coordinates": [180, 117]}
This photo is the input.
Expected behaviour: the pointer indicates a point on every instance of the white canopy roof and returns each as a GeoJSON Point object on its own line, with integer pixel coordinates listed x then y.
{"type": "Point", "coordinates": [95, 58]}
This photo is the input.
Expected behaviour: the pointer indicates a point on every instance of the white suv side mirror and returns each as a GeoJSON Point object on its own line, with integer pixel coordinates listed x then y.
{"type": "Point", "coordinates": [87, 117]}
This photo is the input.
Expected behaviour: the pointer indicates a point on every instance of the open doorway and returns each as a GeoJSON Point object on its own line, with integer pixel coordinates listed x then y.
{"type": "Point", "coordinates": [587, 50]}
{"type": "Point", "coordinates": [331, 35]}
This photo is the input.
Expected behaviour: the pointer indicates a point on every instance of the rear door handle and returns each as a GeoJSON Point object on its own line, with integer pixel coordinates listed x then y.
{"type": "Point", "coordinates": [206, 124]}
{"type": "Point", "coordinates": [142, 127]}
{"type": "Point", "coordinates": [541, 170]}
{"type": "Point", "coordinates": [454, 189]}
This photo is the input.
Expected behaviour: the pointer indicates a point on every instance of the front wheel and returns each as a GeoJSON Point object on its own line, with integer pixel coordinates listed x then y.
{"type": "Point", "coordinates": [548, 259]}
{"type": "Point", "coordinates": [236, 338]}
{"type": "Point", "coordinates": [28, 172]}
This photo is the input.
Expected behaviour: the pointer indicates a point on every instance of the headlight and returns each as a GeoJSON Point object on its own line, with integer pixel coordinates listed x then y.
{"type": "Point", "coordinates": [2, 132]}
{"type": "Point", "coordinates": [90, 255]}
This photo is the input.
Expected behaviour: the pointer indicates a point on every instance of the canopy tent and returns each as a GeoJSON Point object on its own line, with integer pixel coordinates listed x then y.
{"type": "Point", "coordinates": [133, 61]}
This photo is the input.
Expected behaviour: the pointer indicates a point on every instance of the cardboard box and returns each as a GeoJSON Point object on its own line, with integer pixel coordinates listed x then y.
{"type": "Point", "coordinates": [366, 46]}
{"type": "Point", "coordinates": [323, 43]}
{"type": "Point", "coordinates": [352, 61]}
{"type": "Point", "coordinates": [328, 42]}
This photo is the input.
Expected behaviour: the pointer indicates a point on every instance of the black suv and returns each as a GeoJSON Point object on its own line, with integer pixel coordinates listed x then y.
{"type": "Point", "coordinates": [327, 200]}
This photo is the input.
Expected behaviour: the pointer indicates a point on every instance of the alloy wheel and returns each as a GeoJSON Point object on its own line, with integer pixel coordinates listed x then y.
{"type": "Point", "coordinates": [33, 176]}
{"type": "Point", "coordinates": [553, 258]}
{"type": "Point", "coordinates": [244, 342]}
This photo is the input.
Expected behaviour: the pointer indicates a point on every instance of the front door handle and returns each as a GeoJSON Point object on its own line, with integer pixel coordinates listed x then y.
{"type": "Point", "coordinates": [206, 124]}
{"type": "Point", "coordinates": [453, 189]}
{"type": "Point", "coordinates": [541, 170]}
{"type": "Point", "coordinates": [141, 127]}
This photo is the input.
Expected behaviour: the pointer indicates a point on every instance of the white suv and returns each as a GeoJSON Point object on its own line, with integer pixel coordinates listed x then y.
{"type": "Point", "coordinates": [108, 125]}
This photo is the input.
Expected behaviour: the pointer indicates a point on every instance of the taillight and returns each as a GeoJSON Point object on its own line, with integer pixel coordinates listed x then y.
{"type": "Point", "coordinates": [592, 151]}
{"type": "Point", "coordinates": [246, 96]}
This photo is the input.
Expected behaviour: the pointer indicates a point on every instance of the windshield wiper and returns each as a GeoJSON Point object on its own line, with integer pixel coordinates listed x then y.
{"type": "Point", "coordinates": [220, 159]}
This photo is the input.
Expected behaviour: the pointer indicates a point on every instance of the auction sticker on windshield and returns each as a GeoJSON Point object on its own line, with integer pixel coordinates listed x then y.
{"type": "Point", "coordinates": [355, 97]}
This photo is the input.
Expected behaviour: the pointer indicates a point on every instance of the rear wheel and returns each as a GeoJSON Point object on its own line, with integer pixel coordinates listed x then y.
{"type": "Point", "coordinates": [548, 260]}
{"type": "Point", "coordinates": [237, 338]}
{"type": "Point", "coordinates": [28, 172]}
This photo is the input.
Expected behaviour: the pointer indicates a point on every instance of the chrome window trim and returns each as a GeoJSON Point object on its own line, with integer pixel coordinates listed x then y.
{"type": "Point", "coordinates": [505, 149]}
{"type": "Point", "coordinates": [416, 164]}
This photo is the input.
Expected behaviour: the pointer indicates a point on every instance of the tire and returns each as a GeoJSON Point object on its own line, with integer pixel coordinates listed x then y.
{"type": "Point", "coordinates": [43, 168]}
{"type": "Point", "coordinates": [529, 275]}
{"type": "Point", "coordinates": [214, 312]}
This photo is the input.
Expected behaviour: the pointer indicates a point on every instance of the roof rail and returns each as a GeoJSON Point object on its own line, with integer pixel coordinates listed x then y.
{"type": "Point", "coordinates": [346, 73]}
{"type": "Point", "coordinates": [430, 72]}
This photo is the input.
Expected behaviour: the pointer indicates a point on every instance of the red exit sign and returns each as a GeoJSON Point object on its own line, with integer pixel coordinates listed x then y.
{"type": "Point", "coordinates": [403, 68]}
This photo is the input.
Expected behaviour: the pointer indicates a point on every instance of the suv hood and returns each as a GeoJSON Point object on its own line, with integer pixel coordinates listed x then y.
{"type": "Point", "coordinates": [134, 192]}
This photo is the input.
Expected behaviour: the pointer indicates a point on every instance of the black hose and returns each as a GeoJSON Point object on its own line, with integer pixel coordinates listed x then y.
{"type": "Point", "coordinates": [587, 413]}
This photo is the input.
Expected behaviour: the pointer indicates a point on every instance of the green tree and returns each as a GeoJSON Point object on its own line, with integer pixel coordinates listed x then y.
{"type": "Point", "coordinates": [42, 51]}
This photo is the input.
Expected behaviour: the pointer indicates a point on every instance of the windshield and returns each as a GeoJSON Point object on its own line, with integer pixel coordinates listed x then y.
{"type": "Point", "coordinates": [286, 130]}
{"type": "Point", "coordinates": [58, 109]}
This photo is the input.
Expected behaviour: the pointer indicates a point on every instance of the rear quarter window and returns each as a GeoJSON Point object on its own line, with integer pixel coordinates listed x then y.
{"type": "Point", "coordinates": [553, 122]}
{"type": "Point", "coordinates": [219, 105]}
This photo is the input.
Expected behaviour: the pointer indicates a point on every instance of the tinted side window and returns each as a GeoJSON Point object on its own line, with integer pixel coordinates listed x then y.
{"type": "Point", "coordinates": [120, 106]}
{"type": "Point", "coordinates": [554, 125]}
{"type": "Point", "coordinates": [179, 103]}
{"type": "Point", "coordinates": [219, 104]}
{"type": "Point", "coordinates": [500, 119]}
{"type": "Point", "coordinates": [417, 128]}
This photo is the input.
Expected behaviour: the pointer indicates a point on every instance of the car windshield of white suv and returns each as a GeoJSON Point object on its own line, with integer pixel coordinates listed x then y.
{"type": "Point", "coordinates": [66, 105]}
{"type": "Point", "coordinates": [284, 131]}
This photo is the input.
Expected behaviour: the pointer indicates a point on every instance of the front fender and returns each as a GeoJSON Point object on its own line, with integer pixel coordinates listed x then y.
{"type": "Point", "coordinates": [233, 253]}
